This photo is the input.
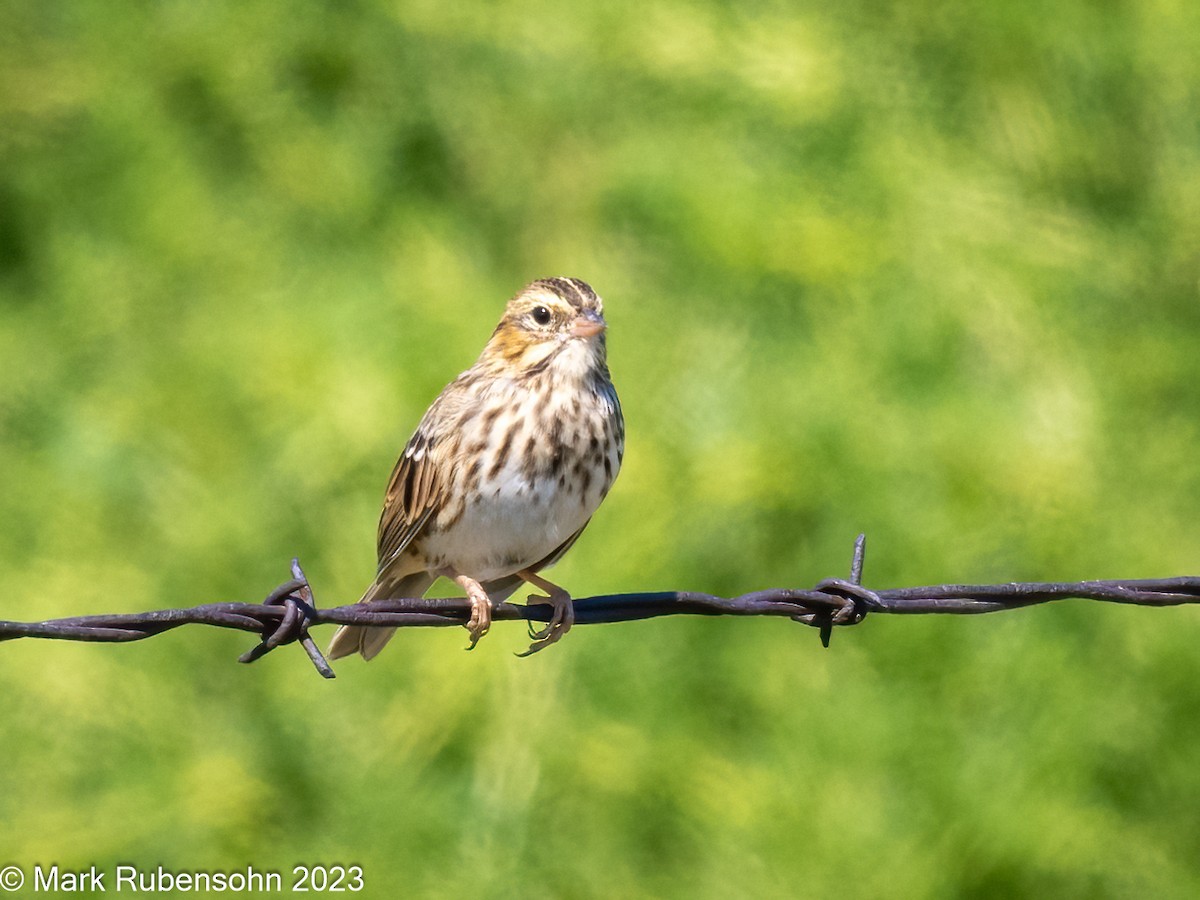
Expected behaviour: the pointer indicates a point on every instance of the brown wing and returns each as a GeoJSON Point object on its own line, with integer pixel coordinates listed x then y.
{"type": "Point", "coordinates": [417, 489]}
{"type": "Point", "coordinates": [412, 497]}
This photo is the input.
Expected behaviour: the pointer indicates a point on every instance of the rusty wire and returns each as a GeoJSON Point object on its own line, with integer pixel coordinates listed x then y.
{"type": "Point", "coordinates": [288, 612]}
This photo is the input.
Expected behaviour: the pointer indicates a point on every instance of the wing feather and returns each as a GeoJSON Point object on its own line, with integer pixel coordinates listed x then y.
{"type": "Point", "coordinates": [417, 488]}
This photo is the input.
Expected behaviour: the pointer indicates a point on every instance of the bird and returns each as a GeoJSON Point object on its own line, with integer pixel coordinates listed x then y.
{"type": "Point", "coordinates": [505, 469]}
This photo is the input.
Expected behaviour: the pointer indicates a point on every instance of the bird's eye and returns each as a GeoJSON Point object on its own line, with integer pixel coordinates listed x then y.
{"type": "Point", "coordinates": [541, 315]}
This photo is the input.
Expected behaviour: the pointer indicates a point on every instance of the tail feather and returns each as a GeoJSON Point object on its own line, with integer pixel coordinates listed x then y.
{"type": "Point", "coordinates": [369, 640]}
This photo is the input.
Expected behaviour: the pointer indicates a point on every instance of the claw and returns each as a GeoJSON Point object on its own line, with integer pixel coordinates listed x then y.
{"type": "Point", "coordinates": [480, 622]}
{"type": "Point", "coordinates": [542, 633]}
{"type": "Point", "coordinates": [481, 609]}
{"type": "Point", "coordinates": [561, 619]}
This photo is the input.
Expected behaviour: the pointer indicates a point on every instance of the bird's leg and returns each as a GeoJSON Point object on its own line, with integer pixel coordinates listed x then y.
{"type": "Point", "coordinates": [561, 619]}
{"type": "Point", "coordinates": [481, 607]}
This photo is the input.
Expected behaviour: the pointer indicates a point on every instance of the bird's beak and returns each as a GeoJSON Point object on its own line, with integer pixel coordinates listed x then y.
{"type": "Point", "coordinates": [587, 324]}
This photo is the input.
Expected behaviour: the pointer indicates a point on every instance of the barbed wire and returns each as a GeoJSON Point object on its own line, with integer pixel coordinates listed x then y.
{"type": "Point", "coordinates": [288, 612]}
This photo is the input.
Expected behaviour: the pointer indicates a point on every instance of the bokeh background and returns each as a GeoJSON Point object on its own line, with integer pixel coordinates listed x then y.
{"type": "Point", "coordinates": [924, 270]}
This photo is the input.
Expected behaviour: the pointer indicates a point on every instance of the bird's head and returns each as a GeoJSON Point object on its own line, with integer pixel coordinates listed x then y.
{"type": "Point", "coordinates": [553, 323]}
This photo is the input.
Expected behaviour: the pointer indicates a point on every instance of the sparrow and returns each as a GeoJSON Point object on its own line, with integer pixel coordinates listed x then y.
{"type": "Point", "coordinates": [505, 469]}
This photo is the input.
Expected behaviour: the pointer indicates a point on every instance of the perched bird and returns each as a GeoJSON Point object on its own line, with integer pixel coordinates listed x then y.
{"type": "Point", "coordinates": [505, 468]}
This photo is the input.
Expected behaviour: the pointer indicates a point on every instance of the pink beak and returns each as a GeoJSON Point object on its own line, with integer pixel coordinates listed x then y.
{"type": "Point", "coordinates": [588, 324]}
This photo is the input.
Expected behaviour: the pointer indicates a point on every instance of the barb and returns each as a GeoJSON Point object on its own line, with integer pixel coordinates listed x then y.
{"type": "Point", "coordinates": [288, 612]}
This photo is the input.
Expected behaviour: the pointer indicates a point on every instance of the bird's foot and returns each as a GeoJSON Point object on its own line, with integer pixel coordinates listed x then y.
{"type": "Point", "coordinates": [481, 609]}
{"type": "Point", "coordinates": [561, 619]}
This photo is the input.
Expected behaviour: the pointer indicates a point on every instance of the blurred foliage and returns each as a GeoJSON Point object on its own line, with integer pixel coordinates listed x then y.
{"type": "Point", "coordinates": [925, 270]}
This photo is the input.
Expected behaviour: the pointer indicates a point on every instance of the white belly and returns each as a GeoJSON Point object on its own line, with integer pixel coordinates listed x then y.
{"type": "Point", "coordinates": [517, 525]}
{"type": "Point", "coordinates": [522, 513]}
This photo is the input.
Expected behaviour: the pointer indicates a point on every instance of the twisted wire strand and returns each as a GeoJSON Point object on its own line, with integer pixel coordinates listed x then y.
{"type": "Point", "coordinates": [288, 612]}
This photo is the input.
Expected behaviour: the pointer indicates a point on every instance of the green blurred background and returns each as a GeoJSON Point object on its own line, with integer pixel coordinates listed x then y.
{"type": "Point", "coordinates": [927, 271]}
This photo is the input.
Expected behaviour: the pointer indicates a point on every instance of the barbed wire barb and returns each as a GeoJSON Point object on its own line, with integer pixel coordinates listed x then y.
{"type": "Point", "coordinates": [287, 613]}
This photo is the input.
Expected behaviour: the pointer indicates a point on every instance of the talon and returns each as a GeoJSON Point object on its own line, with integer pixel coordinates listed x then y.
{"type": "Point", "coordinates": [481, 609]}
{"type": "Point", "coordinates": [542, 633]}
{"type": "Point", "coordinates": [561, 620]}
{"type": "Point", "coordinates": [480, 622]}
